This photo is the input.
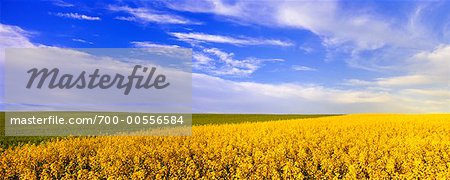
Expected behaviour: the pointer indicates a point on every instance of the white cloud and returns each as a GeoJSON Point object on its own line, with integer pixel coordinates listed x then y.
{"type": "Point", "coordinates": [77, 16]}
{"type": "Point", "coordinates": [201, 59]}
{"type": "Point", "coordinates": [362, 27]}
{"type": "Point", "coordinates": [372, 40]}
{"type": "Point", "coordinates": [201, 37]}
{"type": "Point", "coordinates": [426, 81]}
{"type": "Point", "coordinates": [13, 36]}
{"type": "Point", "coordinates": [217, 62]}
{"type": "Point", "coordinates": [147, 44]}
{"type": "Point", "coordinates": [433, 63]}
{"type": "Point", "coordinates": [356, 82]}
{"type": "Point", "coordinates": [303, 68]}
{"type": "Point", "coordinates": [306, 49]}
{"type": "Point", "coordinates": [163, 49]}
{"type": "Point", "coordinates": [242, 10]}
{"type": "Point", "coordinates": [82, 41]}
{"type": "Point", "coordinates": [213, 94]}
{"type": "Point", "coordinates": [62, 3]}
{"type": "Point", "coordinates": [409, 80]}
{"type": "Point", "coordinates": [146, 15]}
{"type": "Point", "coordinates": [126, 18]}
{"type": "Point", "coordinates": [395, 81]}
{"type": "Point", "coordinates": [430, 68]}
{"type": "Point", "coordinates": [443, 94]}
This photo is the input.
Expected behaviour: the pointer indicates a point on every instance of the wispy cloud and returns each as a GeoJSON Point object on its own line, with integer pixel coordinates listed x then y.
{"type": "Point", "coordinates": [163, 49]}
{"type": "Point", "coordinates": [147, 15]}
{"type": "Point", "coordinates": [217, 62]}
{"type": "Point", "coordinates": [236, 9]}
{"type": "Point", "coordinates": [371, 40]}
{"type": "Point", "coordinates": [328, 19]}
{"type": "Point", "coordinates": [82, 41]}
{"type": "Point", "coordinates": [13, 36]}
{"type": "Point", "coordinates": [303, 68]}
{"type": "Point", "coordinates": [427, 68]}
{"type": "Point", "coordinates": [306, 49]}
{"type": "Point", "coordinates": [424, 82]}
{"type": "Point", "coordinates": [76, 16]}
{"type": "Point", "coordinates": [62, 3]}
{"type": "Point", "coordinates": [147, 44]}
{"type": "Point", "coordinates": [201, 37]}
{"type": "Point", "coordinates": [395, 81]}
{"type": "Point", "coordinates": [336, 27]}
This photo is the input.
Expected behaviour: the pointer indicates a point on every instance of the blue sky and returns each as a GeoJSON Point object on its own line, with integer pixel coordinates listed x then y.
{"type": "Point", "coordinates": [268, 56]}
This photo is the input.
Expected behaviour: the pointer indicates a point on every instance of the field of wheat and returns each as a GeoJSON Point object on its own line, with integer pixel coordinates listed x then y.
{"type": "Point", "coordinates": [348, 146]}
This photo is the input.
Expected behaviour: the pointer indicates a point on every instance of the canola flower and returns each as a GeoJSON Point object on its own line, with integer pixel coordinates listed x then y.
{"type": "Point", "coordinates": [348, 147]}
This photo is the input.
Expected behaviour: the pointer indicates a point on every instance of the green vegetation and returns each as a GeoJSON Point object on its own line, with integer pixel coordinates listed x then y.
{"type": "Point", "coordinates": [204, 119]}
{"type": "Point", "coordinates": [198, 119]}
{"type": "Point", "coordinates": [6, 141]}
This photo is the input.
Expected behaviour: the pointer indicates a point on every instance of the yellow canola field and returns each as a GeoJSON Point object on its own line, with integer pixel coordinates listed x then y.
{"type": "Point", "coordinates": [349, 146]}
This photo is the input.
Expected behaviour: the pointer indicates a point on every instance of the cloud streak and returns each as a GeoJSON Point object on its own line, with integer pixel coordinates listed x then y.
{"type": "Point", "coordinates": [355, 29]}
{"type": "Point", "coordinates": [217, 62]}
{"type": "Point", "coordinates": [13, 36]}
{"type": "Point", "coordinates": [194, 37]}
{"type": "Point", "coordinates": [76, 16]}
{"type": "Point", "coordinates": [62, 3]}
{"type": "Point", "coordinates": [82, 41]}
{"type": "Point", "coordinates": [163, 49]}
{"type": "Point", "coordinates": [147, 15]}
{"type": "Point", "coordinates": [303, 68]}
